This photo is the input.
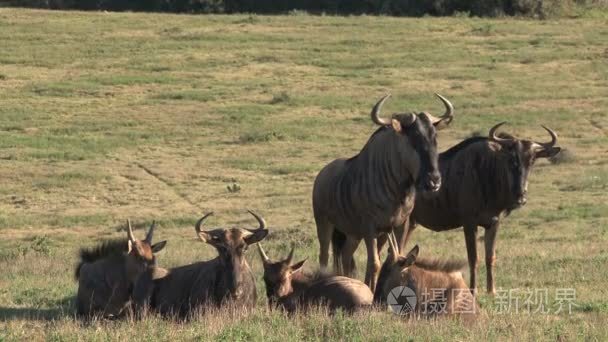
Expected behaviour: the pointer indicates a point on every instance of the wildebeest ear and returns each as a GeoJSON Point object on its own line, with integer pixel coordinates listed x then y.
{"type": "Point", "coordinates": [297, 267]}
{"type": "Point", "coordinates": [548, 152]}
{"type": "Point", "coordinates": [441, 124]}
{"type": "Point", "coordinates": [410, 258]}
{"type": "Point", "coordinates": [157, 247]}
{"type": "Point", "coordinates": [256, 236]}
{"type": "Point", "coordinates": [396, 125]}
{"type": "Point", "coordinates": [414, 252]}
{"type": "Point", "coordinates": [204, 236]}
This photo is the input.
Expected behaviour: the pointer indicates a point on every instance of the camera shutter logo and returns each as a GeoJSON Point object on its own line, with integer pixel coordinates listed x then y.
{"type": "Point", "coordinates": [401, 300]}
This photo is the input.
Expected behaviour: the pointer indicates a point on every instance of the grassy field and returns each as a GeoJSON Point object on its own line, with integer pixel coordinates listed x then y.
{"type": "Point", "coordinates": [107, 116]}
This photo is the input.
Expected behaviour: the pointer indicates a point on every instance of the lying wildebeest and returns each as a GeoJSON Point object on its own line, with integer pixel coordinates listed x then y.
{"type": "Point", "coordinates": [227, 278]}
{"type": "Point", "coordinates": [373, 192]}
{"type": "Point", "coordinates": [483, 178]}
{"type": "Point", "coordinates": [438, 285]}
{"type": "Point", "coordinates": [287, 286]}
{"type": "Point", "coordinates": [107, 274]}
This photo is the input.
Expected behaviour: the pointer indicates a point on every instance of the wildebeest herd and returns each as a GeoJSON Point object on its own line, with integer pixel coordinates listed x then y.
{"type": "Point", "coordinates": [397, 181]}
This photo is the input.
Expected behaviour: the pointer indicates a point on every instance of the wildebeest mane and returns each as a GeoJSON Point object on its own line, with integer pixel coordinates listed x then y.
{"type": "Point", "coordinates": [381, 128]}
{"type": "Point", "coordinates": [441, 265]}
{"type": "Point", "coordinates": [108, 248]}
{"type": "Point", "coordinates": [376, 175]}
{"type": "Point", "coordinates": [452, 151]}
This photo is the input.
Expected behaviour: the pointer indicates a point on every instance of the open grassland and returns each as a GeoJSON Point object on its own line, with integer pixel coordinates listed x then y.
{"type": "Point", "coordinates": [105, 116]}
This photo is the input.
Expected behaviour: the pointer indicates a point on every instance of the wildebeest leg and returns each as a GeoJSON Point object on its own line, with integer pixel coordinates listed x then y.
{"type": "Point", "coordinates": [402, 238]}
{"type": "Point", "coordinates": [80, 303]}
{"type": "Point", "coordinates": [470, 238]}
{"type": "Point", "coordinates": [490, 242]}
{"type": "Point", "coordinates": [373, 262]}
{"type": "Point", "coordinates": [348, 252]}
{"type": "Point", "coordinates": [381, 241]}
{"type": "Point", "coordinates": [324, 234]}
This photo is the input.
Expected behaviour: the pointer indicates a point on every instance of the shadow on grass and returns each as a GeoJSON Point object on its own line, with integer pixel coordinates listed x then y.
{"type": "Point", "coordinates": [64, 308]}
{"type": "Point", "coordinates": [10, 314]}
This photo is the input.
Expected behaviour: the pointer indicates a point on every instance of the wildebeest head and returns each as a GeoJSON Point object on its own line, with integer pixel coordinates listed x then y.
{"type": "Point", "coordinates": [278, 275]}
{"type": "Point", "coordinates": [392, 269]}
{"type": "Point", "coordinates": [521, 155]}
{"type": "Point", "coordinates": [141, 252]}
{"type": "Point", "coordinates": [420, 131]}
{"type": "Point", "coordinates": [231, 245]}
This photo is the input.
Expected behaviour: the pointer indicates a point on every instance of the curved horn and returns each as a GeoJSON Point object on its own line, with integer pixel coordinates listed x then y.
{"type": "Point", "coordinates": [198, 224]}
{"type": "Point", "coordinates": [553, 138]}
{"type": "Point", "coordinates": [449, 109]}
{"type": "Point", "coordinates": [265, 258]}
{"type": "Point", "coordinates": [391, 243]}
{"type": "Point", "coordinates": [130, 231]}
{"type": "Point", "coordinates": [150, 233]}
{"type": "Point", "coordinates": [492, 134]}
{"type": "Point", "coordinates": [290, 256]}
{"type": "Point", "coordinates": [376, 112]}
{"type": "Point", "coordinates": [395, 242]}
{"type": "Point", "coordinates": [261, 221]}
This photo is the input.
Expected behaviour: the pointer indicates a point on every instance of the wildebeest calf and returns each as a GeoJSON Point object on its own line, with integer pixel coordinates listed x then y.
{"type": "Point", "coordinates": [227, 278]}
{"type": "Point", "coordinates": [438, 285]}
{"type": "Point", "coordinates": [108, 273]}
{"type": "Point", "coordinates": [287, 286]}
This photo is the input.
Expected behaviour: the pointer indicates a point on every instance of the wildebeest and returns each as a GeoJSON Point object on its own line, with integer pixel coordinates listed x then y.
{"type": "Point", "coordinates": [373, 192]}
{"type": "Point", "coordinates": [483, 179]}
{"type": "Point", "coordinates": [287, 286]}
{"type": "Point", "coordinates": [107, 273]}
{"type": "Point", "coordinates": [438, 285]}
{"type": "Point", "coordinates": [226, 278]}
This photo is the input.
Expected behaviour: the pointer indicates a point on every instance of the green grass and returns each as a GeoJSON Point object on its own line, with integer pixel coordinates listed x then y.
{"type": "Point", "coordinates": [109, 116]}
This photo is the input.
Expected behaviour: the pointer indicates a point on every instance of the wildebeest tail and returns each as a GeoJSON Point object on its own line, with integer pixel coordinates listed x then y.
{"type": "Point", "coordinates": [103, 250]}
{"type": "Point", "coordinates": [338, 239]}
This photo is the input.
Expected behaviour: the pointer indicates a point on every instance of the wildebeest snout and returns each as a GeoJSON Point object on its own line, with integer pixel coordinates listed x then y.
{"type": "Point", "coordinates": [237, 293]}
{"type": "Point", "coordinates": [432, 182]}
{"type": "Point", "coordinates": [523, 198]}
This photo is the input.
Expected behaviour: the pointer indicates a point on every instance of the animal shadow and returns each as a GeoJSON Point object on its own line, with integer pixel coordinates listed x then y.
{"type": "Point", "coordinates": [61, 309]}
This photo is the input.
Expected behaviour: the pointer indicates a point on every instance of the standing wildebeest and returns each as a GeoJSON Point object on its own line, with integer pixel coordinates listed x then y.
{"type": "Point", "coordinates": [107, 273]}
{"type": "Point", "coordinates": [290, 288]}
{"type": "Point", "coordinates": [438, 284]}
{"type": "Point", "coordinates": [186, 289]}
{"type": "Point", "coordinates": [483, 178]}
{"type": "Point", "coordinates": [373, 192]}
